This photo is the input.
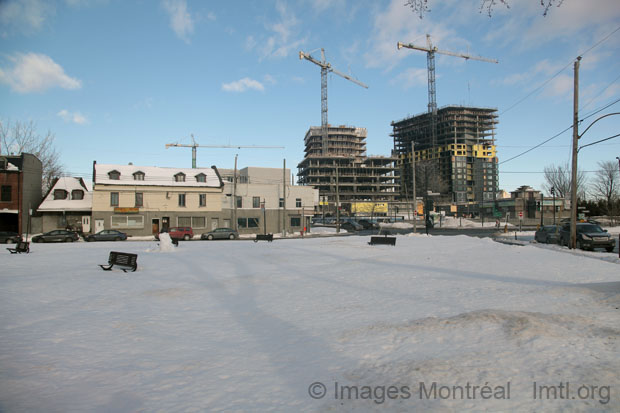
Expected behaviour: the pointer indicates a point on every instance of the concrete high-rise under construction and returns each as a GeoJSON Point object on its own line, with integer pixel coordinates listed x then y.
{"type": "Point", "coordinates": [458, 154]}
{"type": "Point", "coordinates": [336, 163]}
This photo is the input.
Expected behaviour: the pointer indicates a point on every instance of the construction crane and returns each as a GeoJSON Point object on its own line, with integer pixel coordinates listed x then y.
{"type": "Point", "coordinates": [194, 145]}
{"type": "Point", "coordinates": [430, 62]}
{"type": "Point", "coordinates": [325, 69]}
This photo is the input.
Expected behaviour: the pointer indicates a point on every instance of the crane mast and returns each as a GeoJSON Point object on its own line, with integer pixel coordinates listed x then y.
{"type": "Point", "coordinates": [430, 63]}
{"type": "Point", "coordinates": [325, 69]}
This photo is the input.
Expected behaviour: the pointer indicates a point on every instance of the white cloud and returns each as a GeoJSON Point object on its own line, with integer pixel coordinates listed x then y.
{"type": "Point", "coordinates": [410, 78]}
{"type": "Point", "coordinates": [180, 19]}
{"type": "Point", "coordinates": [284, 37]}
{"type": "Point", "coordinates": [24, 15]}
{"type": "Point", "coordinates": [242, 85]}
{"type": "Point", "coordinates": [74, 117]}
{"type": "Point", "coordinates": [34, 72]}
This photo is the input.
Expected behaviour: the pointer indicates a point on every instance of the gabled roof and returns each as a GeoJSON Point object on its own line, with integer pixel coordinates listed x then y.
{"type": "Point", "coordinates": [68, 184]}
{"type": "Point", "coordinates": [156, 176]}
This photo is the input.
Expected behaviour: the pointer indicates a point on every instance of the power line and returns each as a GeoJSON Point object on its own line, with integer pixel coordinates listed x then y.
{"type": "Point", "coordinates": [542, 85]}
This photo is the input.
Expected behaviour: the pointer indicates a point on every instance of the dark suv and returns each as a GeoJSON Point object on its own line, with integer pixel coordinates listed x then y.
{"type": "Point", "coordinates": [589, 236]}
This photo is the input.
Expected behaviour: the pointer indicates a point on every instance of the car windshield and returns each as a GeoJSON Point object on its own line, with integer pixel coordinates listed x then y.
{"type": "Point", "coordinates": [587, 228]}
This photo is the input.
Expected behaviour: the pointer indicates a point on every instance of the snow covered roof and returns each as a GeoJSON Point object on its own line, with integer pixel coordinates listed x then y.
{"type": "Point", "coordinates": [157, 176]}
{"type": "Point", "coordinates": [68, 184]}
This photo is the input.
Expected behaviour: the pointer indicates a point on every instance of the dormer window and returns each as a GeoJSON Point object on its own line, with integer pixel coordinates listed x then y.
{"type": "Point", "coordinates": [180, 177]}
{"type": "Point", "coordinates": [138, 176]}
{"type": "Point", "coordinates": [201, 178]}
{"type": "Point", "coordinates": [60, 194]}
{"type": "Point", "coordinates": [114, 175]}
{"type": "Point", "coordinates": [77, 194]}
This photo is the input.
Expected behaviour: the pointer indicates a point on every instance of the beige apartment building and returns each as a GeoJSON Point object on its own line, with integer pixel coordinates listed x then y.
{"type": "Point", "coordinates": [145, 200]}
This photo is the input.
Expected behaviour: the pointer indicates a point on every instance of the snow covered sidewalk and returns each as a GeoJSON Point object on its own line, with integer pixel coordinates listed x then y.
{"type": "Point", "coordinates": [323, 324]}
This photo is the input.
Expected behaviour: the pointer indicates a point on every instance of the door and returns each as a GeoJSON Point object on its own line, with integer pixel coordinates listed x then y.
{"type": "Point", "coordinates": [85, 223]}
{"type": "Point", "coordinates": [99, 225]}
{"type": "Point", "coordinates": [227, 223]}
{"type": "Point", "coordinates": [214, 224]}
{"type": "Point", "coordinates": [165, 224]}
{"type": "Point", "coordinates": [155, 224]}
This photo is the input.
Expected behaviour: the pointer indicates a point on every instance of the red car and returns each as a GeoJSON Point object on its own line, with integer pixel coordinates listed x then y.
{"type": "Point", "coordinates": [178, 233]}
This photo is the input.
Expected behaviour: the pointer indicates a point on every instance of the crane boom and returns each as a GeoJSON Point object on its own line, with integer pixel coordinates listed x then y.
{"type": "Point", "coordinates": [430, 62]}
{"type": "Point", "coordinates": [194, 145]}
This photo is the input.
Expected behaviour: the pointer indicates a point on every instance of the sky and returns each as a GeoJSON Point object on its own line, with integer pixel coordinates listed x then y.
{"type": "Point", "coordinates": [115, 81]}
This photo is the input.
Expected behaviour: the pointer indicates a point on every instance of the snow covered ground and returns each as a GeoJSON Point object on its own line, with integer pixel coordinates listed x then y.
{"type": "Point", "coordinates": [320, 324]}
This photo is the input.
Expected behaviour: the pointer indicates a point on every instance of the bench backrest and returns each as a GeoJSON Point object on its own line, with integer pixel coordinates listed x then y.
{"type": "Point", "coordinates": [22, 246]}
{"type": "Point", "coordinates": [383, 240]}
{"type": "Point", "coordinates": [123, 258]}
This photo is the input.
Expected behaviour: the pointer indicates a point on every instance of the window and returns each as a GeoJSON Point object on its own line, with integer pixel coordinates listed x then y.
{"type": "Point", "coordinates": [281, 204]}
{"type": "Point", "coordinates": [77, 194]}
{"type": "Point", "coordinates": [6, 193]}
{"type": "Point", "coordinates": [114, 175]}
{"type": "Point", "coordinates": [138, 176]}
{"type": "Point", "coordinates": [199, 222]}
{"type": "Point", "coordinates": [295, 222]}
{"type": "Point", "coordinates": [181, 200]}
{"type": "Point", "coordinates": [247, 222]}
{"type": "Point", "coordinates": [298, 203]}
{"type": "Point", "coordinates": [184, 221]}
{"type": "Point", "coordinates": [239, 202]}
{"type": "Point", "coordinates": [256, 202]}
{"type": "Point", "coordinates": [139, 199]}
{"type": "Point", "coordinates": [180, 177]}
{"type": "Point", "coordinates": [114, 199]}
{"type": "Point", "coordinates": [202, 200]}
{"type": "Point", "coordinates": [127, 221]}
{"type": "Point", "coordinates": [201, 178]}
{"type": "Point", "coordinates": [60, 194]}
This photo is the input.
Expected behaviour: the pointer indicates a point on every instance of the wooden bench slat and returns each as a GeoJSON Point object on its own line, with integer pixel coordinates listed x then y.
{"type": "Point", "coordinates": [121, 259]}
{"type": "Point", "coordinates": [382, 240]}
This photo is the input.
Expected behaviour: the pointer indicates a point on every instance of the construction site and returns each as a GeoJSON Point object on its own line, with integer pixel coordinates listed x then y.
{"type": "Point", "coordinates": [455, 154]}
{"type": "Point", "coordinates": [336, 164]}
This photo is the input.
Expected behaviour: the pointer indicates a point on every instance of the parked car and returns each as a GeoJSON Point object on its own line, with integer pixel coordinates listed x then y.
{"type": "Point", "coordinates": [107, 235]}
{"type": "Point", "coordinates": [589, 237]}
{"type": "Point", "coordinates": [350, 226]}
{"type": "Point", "coordinates": [58, 235]}
{"type": "Point", "coordinates": [7, 237]}
{"type": "Point", "coordinates": [178, 233]}
{"type": "Point", "coordinates": [367, 224]}
{"type": "Point", "coordinates": [220, 233]}
{"type": "Point", "coordinates": [548, 234]}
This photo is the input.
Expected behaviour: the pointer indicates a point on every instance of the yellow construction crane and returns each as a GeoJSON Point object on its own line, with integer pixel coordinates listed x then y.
{"type": "Point", "coordinates": [325, 69]}
{"type": "Point", "coordinates": [194, 145]}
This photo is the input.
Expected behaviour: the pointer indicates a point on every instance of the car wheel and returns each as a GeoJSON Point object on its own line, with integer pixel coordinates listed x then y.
{"type": "Point", "coordinates": [210, 237]}
{"type": "Point", "coordinates": [8, 240]}
{"type": "Point", "coordinates": [231, 236]}
{"type": "Point", "coordinates": [579, 245]}
{"type": "Point", "coordinates": [186, 237]}
{"type": "Point", "coordinates": [609, 249]}
{"type": "Point", "coordinates": [68, 239]}
{"type": "Point", "coordinates": [117, 239]}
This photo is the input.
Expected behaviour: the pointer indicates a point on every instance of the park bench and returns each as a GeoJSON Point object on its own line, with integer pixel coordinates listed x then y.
{"type": "Point", "coordinates": [20, 247]}
{"type": "Point", "coordinates": [385, 240]}
{"type": "Point", "coordinates": [264, 237]}
{"type": "Point", "coordinates": [124, 260]}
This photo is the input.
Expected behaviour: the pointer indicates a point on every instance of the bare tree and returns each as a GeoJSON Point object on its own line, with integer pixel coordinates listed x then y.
{"type": "Point", "coordinates": [559, 177]}
{"type": "Point", "coordinates": [20, 137]}
{"type": "Point", "coordinates": [420, 7]}
{"type": "Point", "coordinates": [428, 178]}
{"type": "Point", "coordinates": [606, 184]}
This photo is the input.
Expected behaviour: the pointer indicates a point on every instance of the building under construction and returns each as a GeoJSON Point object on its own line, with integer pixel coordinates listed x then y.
{"type": "Point", "coordinates": [460, 148]}
{"type": "Point", "coordinates": [336, 164]}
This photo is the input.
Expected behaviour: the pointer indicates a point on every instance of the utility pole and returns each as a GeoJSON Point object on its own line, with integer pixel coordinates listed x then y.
{"type": "Point", "coordinates": [337, 199]}
{"type": "Point", "coordinates": [234, 197]}
{"type": "Point", "coordinates": [542, 211]}
{"type": "Point", "coordinates": [573, 195]}
{"type": "Point", "coordinates": [415, 198]}
{"type": "Point", "coordinates": [284, 200]}
{"type": "Point", "coordinates": [553, 193]}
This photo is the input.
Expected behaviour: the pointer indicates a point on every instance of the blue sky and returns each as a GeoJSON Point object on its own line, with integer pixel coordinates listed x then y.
{"type": "Point", "coordinates": [117, 80]}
